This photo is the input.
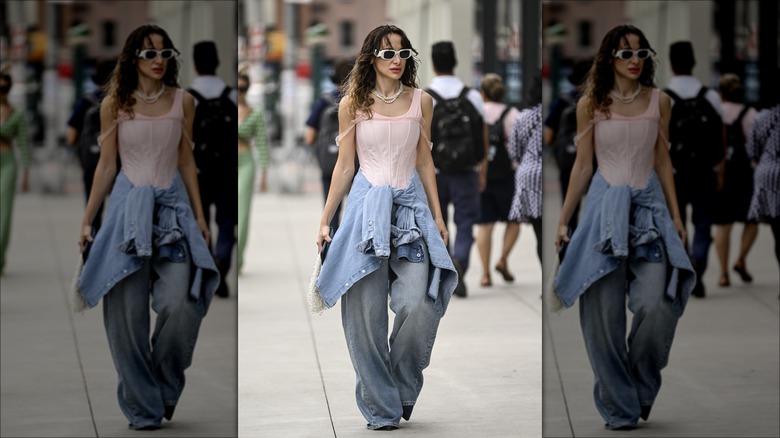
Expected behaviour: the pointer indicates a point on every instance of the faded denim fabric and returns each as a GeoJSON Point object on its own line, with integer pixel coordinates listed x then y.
{"type": "Point", "coordinates": [375, 218]}
{"type": "Point", "coordinates": [627, 371]}
{"type": "Point", "coordinates": [614, 219]}
{"type": "Point", "coordinates": [138, 221]}
{"type": "Point", "coordinates": [151, 374]}
{"type": "Point", "coordinates": [389, 374]}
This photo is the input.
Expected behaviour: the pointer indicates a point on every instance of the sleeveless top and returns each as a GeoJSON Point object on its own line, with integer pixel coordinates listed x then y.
{"type": "Point", "coordinates": [625, 146]}
{"type": "Point", "coordinates": [387, 146]}
{"type": "Point", "coordinates": [148, 146]}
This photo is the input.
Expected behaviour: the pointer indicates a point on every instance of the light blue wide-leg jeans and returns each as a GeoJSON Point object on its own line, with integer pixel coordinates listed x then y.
{"type": "Point", "coordinates": [389, 374]}
{"type": "Point", "coordinates": [628, 372]}
{"type": "Point", "coordinates": [151, 373]}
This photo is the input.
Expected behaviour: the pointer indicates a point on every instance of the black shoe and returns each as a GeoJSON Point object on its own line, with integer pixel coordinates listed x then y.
{"type": "Point", "coordinates": [407, 412]}
{"type": "Point", "coordinates": [169, 412]}
{"type": "Point", "coordinates": [222, 290]}
{"type": "Point", "coordinates": [148, 427]}
{"type": "Point", "coordinates": [388, 427]}
{"type": "Point", "coordinates": [645, 412]}
{"type": "Point", "coordinates": [698, 289]}
{"type": "Point", "coordinates": [460, 289]}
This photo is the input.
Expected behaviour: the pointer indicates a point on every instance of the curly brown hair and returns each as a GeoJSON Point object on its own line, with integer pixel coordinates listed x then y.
{"type": "Point", "coordinates": [601, 77]}
{"type": "Point", "coordinates": [362, 78]}
{"type": "Point", "coordinates": [124, 78]}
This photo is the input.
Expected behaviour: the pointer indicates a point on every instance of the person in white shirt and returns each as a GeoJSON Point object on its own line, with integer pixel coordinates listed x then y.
{"type": "Point", "coordinates": [217, 164]}
{"type": "Point", "coordinates": [695, 179]}
{"type": "Point", "coordinates": [461, 188]}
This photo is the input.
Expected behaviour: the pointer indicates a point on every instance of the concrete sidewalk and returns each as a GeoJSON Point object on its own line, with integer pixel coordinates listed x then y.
{"type": "Point", "coordinates": [295, 375]}
{"type": "Point", "coordinates": [57, 375]}
{"type": "Point", "coordinates": [723, 377]}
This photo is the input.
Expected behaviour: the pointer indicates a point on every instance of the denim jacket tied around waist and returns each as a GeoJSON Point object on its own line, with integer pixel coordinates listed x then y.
{"type": "Point", "coordinates": [376, 218]}
{"type": "Point", "coordinates": [139, 221]}
{"type": "Point", "coordinates": [618, 221]}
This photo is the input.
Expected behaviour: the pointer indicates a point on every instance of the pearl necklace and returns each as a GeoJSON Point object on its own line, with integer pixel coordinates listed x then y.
{"type": "Point", "coordinates": [388, 99]}
{"type": "Point", "coordinates": [627, 99]}
{"type": "Point", "coordinates": [150, 99]}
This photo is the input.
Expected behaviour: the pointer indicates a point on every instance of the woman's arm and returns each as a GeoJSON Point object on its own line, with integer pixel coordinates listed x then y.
{"type": "Point", "coordinates": [105, 173]}
{"type": "Point", "coordinates": [343, 172]}
{"type": "Point", "coordinates": [187, 167]}
{"type": "Point", "coordinates": [426, 170]}
{"type": "Point", "coordinates": [581, 172]}
{"type": "Point", "coordinates": [663, 164]}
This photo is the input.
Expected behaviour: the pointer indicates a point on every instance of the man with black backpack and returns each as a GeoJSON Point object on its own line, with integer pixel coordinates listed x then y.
{"type": "Point", "coordinates": [697, 149]}
{"type": "Point", "coordinates": [322, 127]}
{"type": "Point", "coordinates": [460, 152]}
{"type": "Point", "coordinates": [214, 133]}
{"type": "Point", "coordinates": [560, 128]}
{"type": "Point", "coordinates": [84, 130]}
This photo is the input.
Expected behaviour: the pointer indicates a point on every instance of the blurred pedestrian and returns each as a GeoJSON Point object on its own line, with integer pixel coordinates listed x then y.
{"type": "Point", "coordinates": [322, 127]}
{"type": "Point", "coordinates": [763, 147]}
{"type": "Point", "coordinates": [736, 191]}
{"type": "Point", "coordinates": [251, 130]}
{"type": "Point", "coordinates": [560, 127]}
{"type": "Point", "coordinates": [697, 149]}
{"type": "Point", "coordinates": [152, 244]}
{"type": "Point", "coordinates": [496, 200]}
{"type": "Point", "coordinates": [391, 241]}
{"type": "Point", "coordinates": [84, 130]}
{"type": "Point", "coordinates": [525, 148]}
{"type": "Point", "coordinates": [460, 152]}
{"type": "Point", "coordinates": [213, 130]}
{"type": "Point", "coordinates": [13, 131]}
{"type": "Point", "coordinates": [629, 242]}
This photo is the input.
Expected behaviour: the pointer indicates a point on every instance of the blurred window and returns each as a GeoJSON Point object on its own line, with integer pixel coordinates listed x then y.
{"type": "Point", "coordinates": [109, 33]}
{"type": "Point", "coordinates": [346, 33]}
{"type": "Point", "coordinates": [584, 30]}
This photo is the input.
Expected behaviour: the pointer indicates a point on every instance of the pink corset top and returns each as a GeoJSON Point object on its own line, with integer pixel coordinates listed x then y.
{"type": "Point", "coordinates": [625, 146]}
{"type": "Point", "coordinates": [387, 146]}
{"type": "Point", "coordinates": [148, 146]}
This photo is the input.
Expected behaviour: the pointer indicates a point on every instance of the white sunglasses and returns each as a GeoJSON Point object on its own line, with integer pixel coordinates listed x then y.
{"type": "Point", "coordinates": [150, 54]}
{"type": "Point", "coordinates": [389, 54]}
{"type": "Point", "coordinates": [627, 54]}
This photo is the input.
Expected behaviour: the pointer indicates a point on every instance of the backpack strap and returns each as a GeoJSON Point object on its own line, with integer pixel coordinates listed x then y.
{"type": "Point", "coordinates": [434, 94]}
{"type": "Point", "coordinates": [225, 92]}
{"type": "Point", "coordinates": [464, 92]}
{"type": "Point", "coordinates": [741, 114]}
{"type": "Point", "coordinates": [503, 114]}
{"type": "Point", "coordinates": [196, 95]}
{"type": "Point", "coordinates": [673, 95]}
{"type": "Point", "coordinates": [702, 92]}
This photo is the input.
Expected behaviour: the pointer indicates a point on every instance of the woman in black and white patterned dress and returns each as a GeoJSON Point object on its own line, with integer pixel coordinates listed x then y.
{"type": "Point", "coordinates": [763, 147]}
{"type": "Point", "coordinates": [525, 148]}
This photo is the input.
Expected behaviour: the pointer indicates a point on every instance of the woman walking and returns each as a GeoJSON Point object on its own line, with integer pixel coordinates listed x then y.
{"type": "Point", "coordinates": [13, 129]}
{"type": "Point", "coordinates": [152, 244]}
{"type": "Point", "coordinates": [737, 189]}
{"type": "Point", "coordinates": [496, 200]}
{"type": "Point", "coordinates": [763, 148]}
{"type": "Point", "coordinates": [251, 129]}
{"type": "Point", "coordinates": [628, 245]}
{"type": "Point", "coordinates": [391, 240]}
{"type": "Point", "coordinates": [525, 148]}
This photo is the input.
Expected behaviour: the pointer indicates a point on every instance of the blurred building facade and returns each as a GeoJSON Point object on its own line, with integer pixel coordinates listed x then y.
{"type": "Point", "coordinates": [727, 36]}
{"type": "Point", "coordinates": [62, 40]}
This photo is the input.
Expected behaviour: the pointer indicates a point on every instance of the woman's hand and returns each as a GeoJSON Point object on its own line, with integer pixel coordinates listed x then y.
{"type": "Point", "coordinates": [25, 181]}
{"type": "Point", "coordinates": [445, 235]}
{"type": "Point", "coordinates": [678, 224]}
{"type": "Point", "coordinates": [263, 182]}
{"type": "Point", "coordinates": [323, 235]}
{"type": "Point", "coordinates": [86, 236]}
{"type": "Point", "coordinates": [561, 236]}
{"type": "Point", "coordinates": [204, 230]}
